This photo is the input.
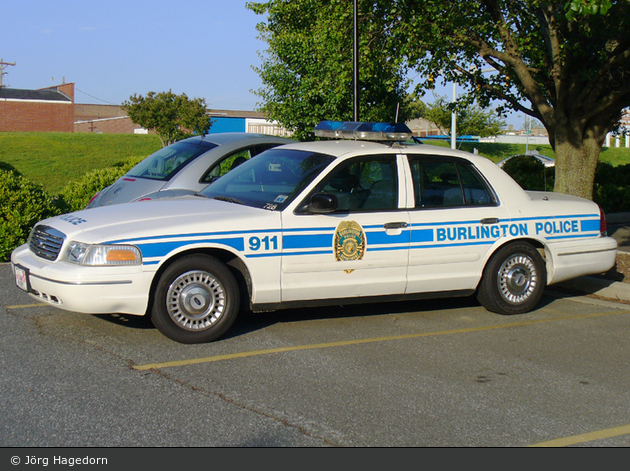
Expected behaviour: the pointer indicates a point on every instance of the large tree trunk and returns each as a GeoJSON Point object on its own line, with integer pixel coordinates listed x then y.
{"type": "Point", "coordinates": [577, 152]}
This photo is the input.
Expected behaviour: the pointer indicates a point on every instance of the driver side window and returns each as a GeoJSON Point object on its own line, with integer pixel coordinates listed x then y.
{"type": "Point", "coordinates": [228, 163]}
{"type": "Point", "coordinates": [364, 185]}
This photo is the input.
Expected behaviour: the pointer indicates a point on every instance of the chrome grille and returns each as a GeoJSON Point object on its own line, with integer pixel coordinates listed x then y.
{"type": "Point", "coordinates": [46, 242]}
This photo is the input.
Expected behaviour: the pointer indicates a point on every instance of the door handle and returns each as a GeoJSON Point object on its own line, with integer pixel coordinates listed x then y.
{"type": "Point", "coordinates": [395, 225]}
{"type": "Point", "coordinates": [490, 221]}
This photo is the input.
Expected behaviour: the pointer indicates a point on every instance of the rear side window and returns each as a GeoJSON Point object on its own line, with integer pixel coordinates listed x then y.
{"type": "Point", "coordinates": [447, 183]}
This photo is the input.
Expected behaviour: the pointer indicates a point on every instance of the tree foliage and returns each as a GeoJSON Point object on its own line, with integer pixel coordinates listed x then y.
{"type": "Point", "coordinates": [172, 117]}
{"type": "Point", "coordinates": [307, 70]}
{"type": "Point", "coordinates": [472, 119]}
{"type": "Point", "coordinates": [565, 63]}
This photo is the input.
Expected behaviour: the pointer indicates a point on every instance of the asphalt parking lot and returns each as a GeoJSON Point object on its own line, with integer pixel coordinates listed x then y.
{"type": "Point", "coordinates": [444, 373]}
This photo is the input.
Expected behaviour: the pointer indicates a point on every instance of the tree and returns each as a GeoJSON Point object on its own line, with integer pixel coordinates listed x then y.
{"type": "Point", "coordinates": [172, 117]}
{"type": "Point", "coordinates": [565, 63]}
{"type": "Point", "coordinates": [472, 119]}
{"type": "Point", "coordinates": [307, 70]}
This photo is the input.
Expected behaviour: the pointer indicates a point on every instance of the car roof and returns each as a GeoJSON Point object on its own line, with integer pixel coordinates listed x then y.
{"type": "Point", "coordinates": [223, 138]}
{"type": "Point", "coordinates": [343, 147]}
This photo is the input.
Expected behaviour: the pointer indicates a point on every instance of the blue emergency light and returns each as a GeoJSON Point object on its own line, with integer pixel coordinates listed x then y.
{"type": "Point", "coordinates": [363, 131]}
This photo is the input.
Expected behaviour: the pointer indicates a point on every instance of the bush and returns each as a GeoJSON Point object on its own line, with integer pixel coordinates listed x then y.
{"type": "Point", "coordinates": [530, 173]}
{"type": "Point", "coordinates": [611, 190]}
{"type": "Point", "coordinates": [77, 195]}
{"type": "Point", "coordinates": [22, 204]}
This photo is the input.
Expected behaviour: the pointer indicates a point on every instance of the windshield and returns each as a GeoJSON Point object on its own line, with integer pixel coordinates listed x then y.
{"type": "Point", "coordinates": [166, 162]}
{"type": "Point", "coordinates": [271, 180]}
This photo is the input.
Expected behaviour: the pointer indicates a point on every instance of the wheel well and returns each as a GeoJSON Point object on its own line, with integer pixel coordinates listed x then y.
{"type": "Point", "coordinates": [538, 245]}
{"type": "Point", "coordinates": [235, 264]}
{"type": "Point", "coordinates": [533, 242]}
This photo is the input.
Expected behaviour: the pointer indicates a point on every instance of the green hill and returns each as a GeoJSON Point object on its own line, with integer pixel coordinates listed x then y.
{"type": "Point", "coordinates": [55, 159]}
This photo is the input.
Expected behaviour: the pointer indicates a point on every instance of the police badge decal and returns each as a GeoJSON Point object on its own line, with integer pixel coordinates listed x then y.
{"type": "Point", "coordinates": [349, 241]}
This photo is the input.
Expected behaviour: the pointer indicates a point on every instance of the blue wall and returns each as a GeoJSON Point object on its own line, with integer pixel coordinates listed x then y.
{"type": "Point", "coordinates": [222, 124]}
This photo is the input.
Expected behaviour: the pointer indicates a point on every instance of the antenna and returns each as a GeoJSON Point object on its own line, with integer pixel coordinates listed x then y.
{"type": "Point", "coordinates": [4, 65]}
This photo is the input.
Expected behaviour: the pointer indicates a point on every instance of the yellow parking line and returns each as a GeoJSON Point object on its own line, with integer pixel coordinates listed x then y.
{"type": "Point", "coordinates": [585, 437]}
{"type": "Point", "coordinates": [22, 306]}
{"type": "Point", "coordinates": [343, 343]}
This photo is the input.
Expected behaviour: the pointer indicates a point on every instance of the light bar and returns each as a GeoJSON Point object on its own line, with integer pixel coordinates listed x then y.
{"type": "Point", "coordinates": [364, 131]}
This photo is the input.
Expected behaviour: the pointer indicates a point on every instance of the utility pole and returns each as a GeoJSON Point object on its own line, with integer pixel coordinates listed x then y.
{"type": "Point", "coordinates": [4, 65]}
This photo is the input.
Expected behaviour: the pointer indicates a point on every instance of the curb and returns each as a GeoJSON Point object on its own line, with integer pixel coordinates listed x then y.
{"type": "Point", "coordinates": [605, 288]}
{"type": "Point", "coordinates": [618, 218]}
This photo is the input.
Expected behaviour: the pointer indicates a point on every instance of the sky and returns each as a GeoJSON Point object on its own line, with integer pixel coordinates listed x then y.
{"type": "Point", "coordinates": [113, 49]}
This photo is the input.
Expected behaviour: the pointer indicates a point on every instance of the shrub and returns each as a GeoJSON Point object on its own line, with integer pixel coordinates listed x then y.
{"type": "Point", "coordinates": [77, 195]}
{"type": "Point", "coordinates": [22, 204]}
{"type": "Point", "coordinates": [530, 173]}
{"type": "Point", "coordinates": [612, 188]}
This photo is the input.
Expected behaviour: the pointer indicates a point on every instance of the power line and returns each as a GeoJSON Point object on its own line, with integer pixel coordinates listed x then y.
{"type": "Point", "coordinates": [95, 97]}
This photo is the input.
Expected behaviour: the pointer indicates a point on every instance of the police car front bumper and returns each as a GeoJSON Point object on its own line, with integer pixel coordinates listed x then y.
{"type": "Point", "coordinates": [91, 290]}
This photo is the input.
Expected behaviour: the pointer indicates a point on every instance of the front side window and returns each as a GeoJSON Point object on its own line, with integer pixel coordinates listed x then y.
{"type": "Point", "coordinates": [447, 183]}
{"type": "Point", "coordinates": [364, 184]}
{"type": "Point", "coordinates": [233, 160]}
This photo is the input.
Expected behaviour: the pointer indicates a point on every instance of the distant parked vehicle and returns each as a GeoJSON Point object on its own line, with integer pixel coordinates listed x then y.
{"type": "Point", "coordinates": [546, 161]}
{"type": "Point", "coordinates": [185, 167]}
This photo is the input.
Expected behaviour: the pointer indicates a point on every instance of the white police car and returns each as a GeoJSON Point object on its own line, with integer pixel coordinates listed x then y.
{"type": "Point", "coordinates": [334, 221]}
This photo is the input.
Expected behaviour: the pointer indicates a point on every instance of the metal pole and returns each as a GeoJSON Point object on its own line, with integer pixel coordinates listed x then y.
{"type": "Point", "coordinates": [355, 80]}
{"type": "Point", "coordinates": [454, 120]}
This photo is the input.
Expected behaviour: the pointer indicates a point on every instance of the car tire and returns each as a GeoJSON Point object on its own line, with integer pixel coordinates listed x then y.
{"type": "Point", "coordinates": [513, 280]}
{"type": "Point", "coordinates": [196, 300]}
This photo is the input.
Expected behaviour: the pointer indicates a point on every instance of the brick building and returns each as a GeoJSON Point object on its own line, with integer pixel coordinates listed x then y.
{"type": "Point", "coordinates": [112, 119]}
{"type": "Point", "coordinates": [106, 119]}
{"type": "Point", "coordinates": [46, 109]}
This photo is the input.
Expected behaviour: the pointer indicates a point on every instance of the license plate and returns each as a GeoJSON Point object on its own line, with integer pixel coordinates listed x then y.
{"type": "Point", "coordinates": [21, 278]}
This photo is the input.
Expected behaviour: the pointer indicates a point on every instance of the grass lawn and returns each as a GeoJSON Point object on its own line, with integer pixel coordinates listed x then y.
{"type": "Point", "coordinates": [497, 152]}
{"type": "Point", "coordinates": [55, 159]}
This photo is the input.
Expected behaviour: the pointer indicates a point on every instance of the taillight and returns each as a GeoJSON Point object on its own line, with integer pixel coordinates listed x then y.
{"type": "Point", "coordinates": [92, 198]}
{"type": "Point", "coordinates": [603, 229]}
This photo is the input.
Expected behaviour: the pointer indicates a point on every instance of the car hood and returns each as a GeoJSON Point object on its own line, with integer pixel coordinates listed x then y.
{"type": "Point", "coordinates": [166, 217]}
{"type": "Point", "coordinates": [126, 189]}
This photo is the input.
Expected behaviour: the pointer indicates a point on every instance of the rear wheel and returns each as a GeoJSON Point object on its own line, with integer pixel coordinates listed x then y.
{"type": "Point", "coordinates": [196, 300]}
{"type": "Point", "coordinates": [513, 280]}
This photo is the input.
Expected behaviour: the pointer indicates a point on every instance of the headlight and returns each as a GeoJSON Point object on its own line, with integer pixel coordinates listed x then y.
{"type": "Point", "coordinates": [102, 255]}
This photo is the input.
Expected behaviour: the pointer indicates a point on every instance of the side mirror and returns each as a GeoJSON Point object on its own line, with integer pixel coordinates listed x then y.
{"type": "Point", "coordinates": [322, 203]}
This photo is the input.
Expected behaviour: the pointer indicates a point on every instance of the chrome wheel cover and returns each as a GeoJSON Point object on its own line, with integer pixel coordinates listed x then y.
{"type": "Point", "coordinates": [517, 279]}
{"type": "Point", "coordinates": [195, 300]}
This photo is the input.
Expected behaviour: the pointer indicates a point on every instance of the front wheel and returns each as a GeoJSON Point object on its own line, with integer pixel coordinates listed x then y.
{"type": "Point", "coordinates": [196, 300]}
{"type": "Point", "coordinates": [513, 280]}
